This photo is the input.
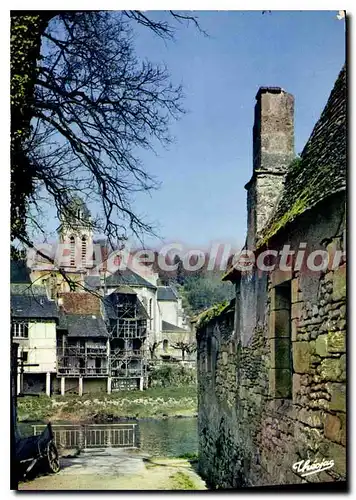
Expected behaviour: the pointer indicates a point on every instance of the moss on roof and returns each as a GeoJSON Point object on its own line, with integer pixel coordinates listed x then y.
{"type": "Point", "coordinates": [321, 171]}
{"type": "Point", "coordinates": [214, 312]}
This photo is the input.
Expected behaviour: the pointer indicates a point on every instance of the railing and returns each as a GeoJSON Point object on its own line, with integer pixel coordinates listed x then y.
{"type": "Point", "coordinates": [82, 351]}
{"type": "Point", "coordinates": [127, 353]}
{"type": "Point", "coordinates": [83, 372]}
{"type": "Point", "coordinates": [128, 372]}
{"type": "Point", "coordinates": [93, 436]}
{"type": "Point", "coordinates": [96, 351]}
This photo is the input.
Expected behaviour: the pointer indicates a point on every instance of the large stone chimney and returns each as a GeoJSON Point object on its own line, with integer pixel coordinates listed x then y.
{"type": "Point", "coordinates": [273, 150]}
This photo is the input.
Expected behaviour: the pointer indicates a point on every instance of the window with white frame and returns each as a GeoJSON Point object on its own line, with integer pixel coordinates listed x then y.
{"type": "Point", "coordinates": [19, 330]}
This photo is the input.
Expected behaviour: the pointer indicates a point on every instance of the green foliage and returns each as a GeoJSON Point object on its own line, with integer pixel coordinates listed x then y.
{"type": "Point", "coordinates": [189, 456]}
{"type": "Point", "coordinates": [34, 408]}
{"type": "Point", "coordinates": [171, 375]}
{"type": "Point", "coordinates": [213, 312]}
{"type": "Point", "coordinates": [154, 403]}
{"type": "Point", "coordinates": [201, 292]}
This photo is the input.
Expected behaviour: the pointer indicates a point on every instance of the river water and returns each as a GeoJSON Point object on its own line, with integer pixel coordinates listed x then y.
{"type": "Point", "coordinates": [169, 437]}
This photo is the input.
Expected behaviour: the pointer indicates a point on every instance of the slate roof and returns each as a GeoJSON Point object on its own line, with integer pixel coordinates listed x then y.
{"type": "Point", "coordinates": [321, 172]}
{"type": "Point", "coordinates": [120, 277]}
{"type": "Point", "coordinates": [19, 272]}
{"type": "Point", "coordinates": [166, 293]}
{"type": "Point", "coordinates": [32, 306]}
{"type": "Point", "coordinates": [27, 289]}
{"type": "Point", "coordinates": [127, 277]}
{"type": "Point", "coordinates": [92, 282]}
{"type": "Point", "coordinates": [169, 327]}
{"type": "Point", "coordinates": [70, 212]}
{"type": "Point", "coordinates": [83, 325]}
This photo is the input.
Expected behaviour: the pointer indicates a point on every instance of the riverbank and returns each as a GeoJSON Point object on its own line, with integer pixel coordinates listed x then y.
{"type": "Point", "coordinates": [152, 403]}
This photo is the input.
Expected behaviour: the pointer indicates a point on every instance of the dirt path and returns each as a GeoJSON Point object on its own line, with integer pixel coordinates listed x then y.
{"type": "Point", "coordinates": [116, 469]}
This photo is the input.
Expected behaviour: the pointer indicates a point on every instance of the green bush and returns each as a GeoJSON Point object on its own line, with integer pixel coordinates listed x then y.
{"type": "Point", "coordinates": [171, 375]}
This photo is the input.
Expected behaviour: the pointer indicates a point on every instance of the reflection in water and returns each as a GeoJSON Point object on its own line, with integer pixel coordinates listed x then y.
{"type": "Point", "coordinates": [170, 437]}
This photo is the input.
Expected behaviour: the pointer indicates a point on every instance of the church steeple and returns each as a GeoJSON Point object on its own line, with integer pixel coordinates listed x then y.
{"type": "Point", "coordinates": [75, 233]}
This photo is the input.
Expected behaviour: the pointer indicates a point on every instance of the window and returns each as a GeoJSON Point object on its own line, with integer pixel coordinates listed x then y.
{"type": "Point", "coordinates": [52, 286]}
{"type": "Point", "coordinates": [84, 250]}
{"type": "Point", "coordinates": [165, 345]}
{"type": "Point", "coordinates": [150, 313]}
{"type": "Point", "coordinates": [72, 250]}
{"type": "Point", "coordinates": [281, 370]}
{"type": "Point", "coordinates": [24, 356]}
{"type": "Point", "coordinates": [19, 330]}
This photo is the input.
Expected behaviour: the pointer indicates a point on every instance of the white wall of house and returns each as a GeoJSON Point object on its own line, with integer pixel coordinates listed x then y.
{"type": "Point", "coordinates": [40, 346]}
{"type": "Point", "coordinates": [169, 311]}
{"type": "Point", "coordinates": [146, 295]}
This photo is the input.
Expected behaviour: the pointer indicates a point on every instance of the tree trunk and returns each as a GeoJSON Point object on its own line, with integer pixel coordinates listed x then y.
{"type": "Point", "coordinates": [25, 46]}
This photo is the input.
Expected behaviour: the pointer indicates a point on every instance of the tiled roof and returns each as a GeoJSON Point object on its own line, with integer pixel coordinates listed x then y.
{"type": "Point", "coordinates": [166, 293]}
{"type": "Point", "coordinates": [80, 303]}
{"type": "Point", "coordinates": [169, 327]}
{"type": "Point", "coordinates": [83, 325]}
{"type": "Point", "coordinates": [321, 171]}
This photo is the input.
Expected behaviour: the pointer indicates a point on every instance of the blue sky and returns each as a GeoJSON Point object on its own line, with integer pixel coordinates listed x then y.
{"type": "Point", "coordinates": [202, 196]}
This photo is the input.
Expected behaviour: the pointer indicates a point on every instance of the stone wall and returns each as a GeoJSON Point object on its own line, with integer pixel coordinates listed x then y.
{"type": "Point", "coordinates": [277, 395]}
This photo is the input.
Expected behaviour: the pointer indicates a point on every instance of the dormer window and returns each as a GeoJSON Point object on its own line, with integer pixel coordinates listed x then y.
{"type": "Point", "coordinates": [79, 214]}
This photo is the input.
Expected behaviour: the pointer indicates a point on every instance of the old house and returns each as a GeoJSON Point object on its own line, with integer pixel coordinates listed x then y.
{"type": "Point", "coordinates": [127, 321]}
{"type": "Point", "coordinates": [82, 344]}
{"type": "Point", "coordinates": [33, 329]}
{"type": "Point", "coordinates": [272, 363]}
{"type": "Point", "coordinates": [176, 337]}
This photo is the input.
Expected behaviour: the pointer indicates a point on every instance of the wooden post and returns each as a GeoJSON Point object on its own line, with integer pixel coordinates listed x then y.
{"type": "Point", "coordinates": [48, 384]}
{"type": "Point", "coordinates": [63, 386]}
{"type": "Point", "coordinates": [80, 386]}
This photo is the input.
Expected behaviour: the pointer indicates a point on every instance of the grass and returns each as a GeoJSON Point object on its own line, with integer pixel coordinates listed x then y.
{"type": "Point", "coordinates": [153, 403]}
{"type": "Point", "coordinates": [189, 456]}
{"type": "Point", "coordinates": [181, 481]}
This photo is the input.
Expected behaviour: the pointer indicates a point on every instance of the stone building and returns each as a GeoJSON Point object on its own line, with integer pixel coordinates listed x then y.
{"type": "Point", "coordinates": [272, 363]}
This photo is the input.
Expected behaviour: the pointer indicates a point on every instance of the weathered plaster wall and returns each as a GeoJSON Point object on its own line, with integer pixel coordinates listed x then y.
{"type": "Point", "coordinates": [40, 346]}
{"type": "Point", "coordinates": [248, 433]}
